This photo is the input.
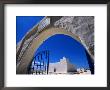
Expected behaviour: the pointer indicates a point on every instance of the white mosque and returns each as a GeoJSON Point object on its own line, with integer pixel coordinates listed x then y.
{"type": "Point", "coordinates": [63, 66]}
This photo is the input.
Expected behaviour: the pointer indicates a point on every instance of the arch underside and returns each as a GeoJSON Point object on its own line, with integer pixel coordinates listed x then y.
{"type": "Point", "coordinates": [44, 35]}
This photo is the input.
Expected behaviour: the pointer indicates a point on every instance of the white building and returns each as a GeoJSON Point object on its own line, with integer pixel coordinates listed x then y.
{"type": "Point", "coordinates": [63, 66]}
{"type": "Point", "coordinates": [83, 71]}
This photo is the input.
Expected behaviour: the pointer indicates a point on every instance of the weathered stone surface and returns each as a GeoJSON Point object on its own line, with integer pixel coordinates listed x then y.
{"type": "Point", "coordinates": [82, 26]}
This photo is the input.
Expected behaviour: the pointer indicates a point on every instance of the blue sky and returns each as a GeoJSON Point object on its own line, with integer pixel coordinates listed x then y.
{"type": "Point", "coordinates": [24, 24]}
{"type": "Point", "coordinates": [58, 45]}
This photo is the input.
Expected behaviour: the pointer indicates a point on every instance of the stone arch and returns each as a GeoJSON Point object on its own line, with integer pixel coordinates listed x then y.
{"type": "Point", "coordinates": [28, 55]}
{"type": "Point", "coordinates": [81, 28]}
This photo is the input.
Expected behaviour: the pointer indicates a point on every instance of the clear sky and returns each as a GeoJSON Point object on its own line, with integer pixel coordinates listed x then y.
{"type": "Point", "coordinates": [58, 45]}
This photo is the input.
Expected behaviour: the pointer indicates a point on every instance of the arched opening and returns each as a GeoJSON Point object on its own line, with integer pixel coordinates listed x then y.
{"type": "Point", "coordinates": [54, 69]}
{"type": "Point", "coordinates": [37, 42]}
{"type": "Point", "coordinates": [61, 45]}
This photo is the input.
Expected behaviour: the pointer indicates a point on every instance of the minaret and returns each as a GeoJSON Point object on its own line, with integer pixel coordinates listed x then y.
{"type": "Point", "coordinates": [64, 60]}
